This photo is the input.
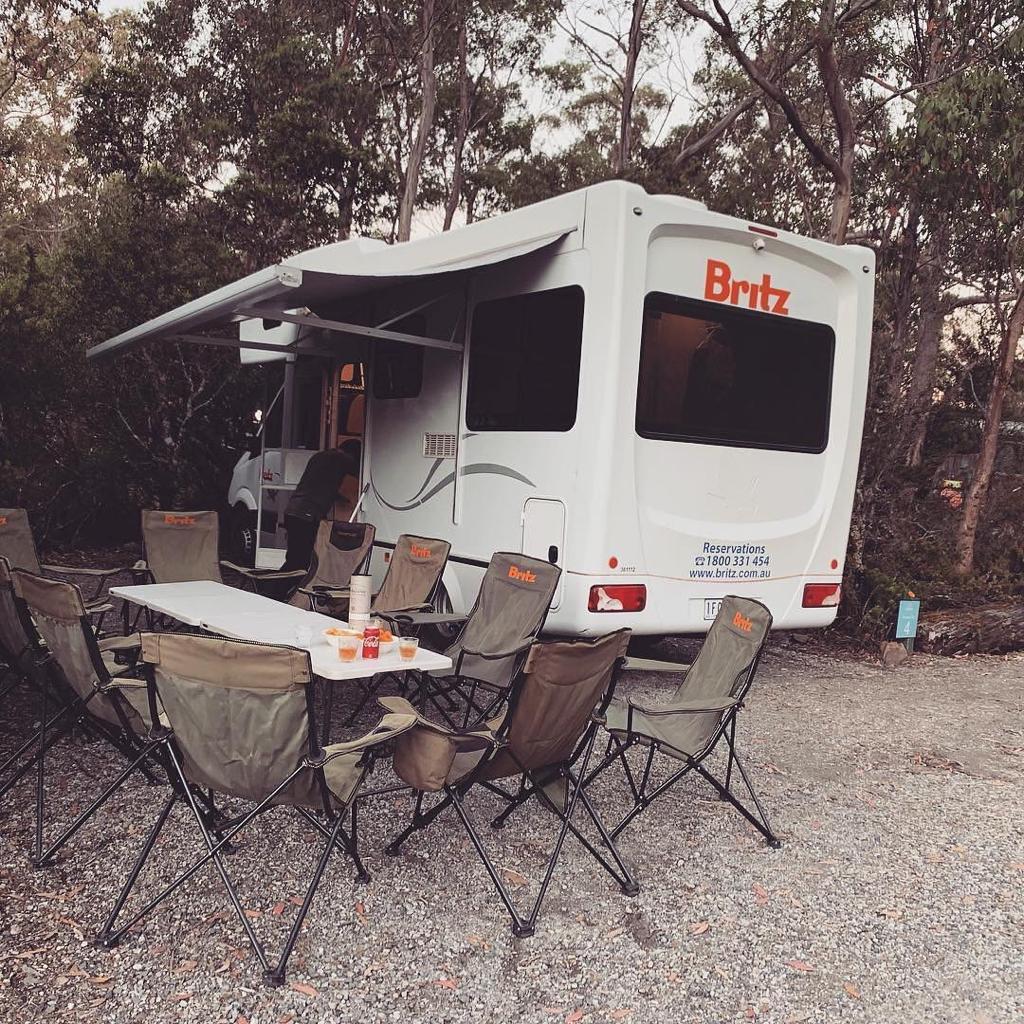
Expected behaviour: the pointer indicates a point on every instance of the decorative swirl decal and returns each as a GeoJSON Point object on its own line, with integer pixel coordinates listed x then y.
{"type": "Point", "coordinates": [477, 469]}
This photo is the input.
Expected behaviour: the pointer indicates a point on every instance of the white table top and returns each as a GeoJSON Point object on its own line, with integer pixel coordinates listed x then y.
{"type": "Point", "coordinates": [242, 615]}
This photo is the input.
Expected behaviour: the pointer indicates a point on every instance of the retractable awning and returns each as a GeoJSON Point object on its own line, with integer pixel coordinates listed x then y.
{"type": "Point", "coordinates": [298, 290]}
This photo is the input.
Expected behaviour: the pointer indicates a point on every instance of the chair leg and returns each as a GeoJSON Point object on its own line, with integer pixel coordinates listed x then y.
{"type": "Point", "coordinates": [419, 821]}
{"type": "Point", "coordinates": [104, 937]}
{"type": "Point", "coordinates": [520, 928]}
{"type": "Point", "coordinates": [276, 976]}
{"type": "Point", "coordinates": [46, 859]}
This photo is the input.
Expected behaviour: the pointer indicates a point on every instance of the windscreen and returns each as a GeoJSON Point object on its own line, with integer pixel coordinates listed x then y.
{"type": "Point", "coordinates": [715, 375]}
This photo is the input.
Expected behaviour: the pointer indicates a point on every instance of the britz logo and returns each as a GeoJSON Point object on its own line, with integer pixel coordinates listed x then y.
{"type": "Point", "coordinates": [3, 520]}
{"type": "Point", "coordinates": [524, 575]}
{"type": "Point", "coordinates": [419, 552]}
{"type": "Point", "coordinates": [173, 520]}
{"type": "Point", "coordinates": [740, 621]}
{"type": "Point", "coordinates": [721, 286]}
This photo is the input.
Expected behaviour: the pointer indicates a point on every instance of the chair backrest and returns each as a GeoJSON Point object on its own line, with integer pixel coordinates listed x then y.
{"type": "Point", "coordinates": [510, 610]}
{"type": "Point", "coordinates": [58, 611]}
{"type": "Point", "coordinates": [724, 667]}
{"type": "Point", "coordinates": [562, 683]}
{"type": "Point", "coordinates": [17, 544]}
{"type": "Point", "coordinates": [181, 547]}
{"type": "Point", "coordinates": [413, 573]}
{"type": "Point", "coordinates": [13, 638]}
{"type": "Point", "coordinates": [238, 710]}
{"type": "Point", "coordinates": [339, 550]}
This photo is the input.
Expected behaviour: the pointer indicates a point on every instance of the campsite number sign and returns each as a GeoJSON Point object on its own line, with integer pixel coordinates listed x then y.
{"type": "Point", "coordinates": [906, 619]}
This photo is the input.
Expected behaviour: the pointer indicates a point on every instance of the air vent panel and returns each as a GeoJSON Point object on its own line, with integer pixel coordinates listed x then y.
{"type": "Point", "coordinates": [439, 446]}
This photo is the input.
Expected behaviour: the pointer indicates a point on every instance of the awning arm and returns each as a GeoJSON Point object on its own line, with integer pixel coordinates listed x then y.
{"type": "Point", "coordinates": [339, 327]}
{"type": "Point", "coordinates": [292, 349]}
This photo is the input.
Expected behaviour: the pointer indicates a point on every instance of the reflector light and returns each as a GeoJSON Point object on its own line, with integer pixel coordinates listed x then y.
{"type": "Point", "coordinates": [822, 595]}
{"type": "Point", "coordinates": [618, 597]}
{"type": "Point", "coordinates": [758, 230]}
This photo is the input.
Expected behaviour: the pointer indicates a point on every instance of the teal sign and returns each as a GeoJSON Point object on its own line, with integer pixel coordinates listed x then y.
{"type": "Point", "coordinates": [906, 620]}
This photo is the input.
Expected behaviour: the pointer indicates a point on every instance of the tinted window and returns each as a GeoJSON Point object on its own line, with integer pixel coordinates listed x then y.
{"type": "Point", "coordinates": [524, 361]}
{"type": "Point", "coordinates": [717, 375]}
{"type": "Point", "coordinates": [397, 367]}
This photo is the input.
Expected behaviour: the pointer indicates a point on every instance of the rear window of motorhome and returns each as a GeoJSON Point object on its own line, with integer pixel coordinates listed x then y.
{"type": "Point", "coordinates": [524, 361]}
{"type": "Point", "coordinates": [725, 376]}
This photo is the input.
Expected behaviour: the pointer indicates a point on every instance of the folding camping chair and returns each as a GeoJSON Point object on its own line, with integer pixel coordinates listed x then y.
{"type": "Point", "coordinates": [508, 614]}
{"type": "Point", "coordinates": [18, 546]}
{"type": "Point", "coordinates": [412, 578]}
{"type": "Point", "coordinates": [15, 645]}
{"type": "Point", "coordinates": [95, 691]}
{"type": "Point", "coordinates": [339, 551]}
{"type": "Point", "coordinates": [550, 726]}
{"type": "Point", "coordinates": [241, 722]}
{"type": "Point", "coordinates": [702, 711]}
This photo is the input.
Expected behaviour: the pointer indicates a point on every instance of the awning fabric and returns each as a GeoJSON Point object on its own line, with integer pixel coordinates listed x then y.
{"type": "Point", "coordinates": [319, 277]}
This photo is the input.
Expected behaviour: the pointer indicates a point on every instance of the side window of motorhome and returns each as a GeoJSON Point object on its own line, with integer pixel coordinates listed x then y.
{"type": "Point", "coordinates": [524, 361]}
{"type": "Point", "coordinates": [398, 368]}
{"type": "Point", "coordinates": [715, 375]}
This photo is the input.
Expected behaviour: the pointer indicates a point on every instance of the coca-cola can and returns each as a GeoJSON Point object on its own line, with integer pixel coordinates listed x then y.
{"type": "Point", "coordinates": [371, 642]}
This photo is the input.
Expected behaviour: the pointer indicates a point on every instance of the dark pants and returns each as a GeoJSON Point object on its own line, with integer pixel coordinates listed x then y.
{"type": "Point", "coordinates": [301, 535]}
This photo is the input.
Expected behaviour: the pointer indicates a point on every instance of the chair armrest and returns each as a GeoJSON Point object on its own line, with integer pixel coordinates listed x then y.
{"type": "Point", "coordinates": [430, 618]}
{"type": "Point", "coordinates": [98, 606]}
{"type": "Point", "coordinates": [390, 726]}
{"type": "Point", "coordinates": [120, 643]}
{"type": "Point", "coordinates": [262, 574]}
{"type": "Point", "coordinates": [478, 736]}
{"type": "Point", "coordinates": [326, 592]}
{"type": "Point", "coordinates": [497, 655]}
{"type": "Point", "coordinates": [653, 665]}
{"type": "Point", "coordinates": [696, 706]}
{"type": "Point", "coordinates": [81, 570]}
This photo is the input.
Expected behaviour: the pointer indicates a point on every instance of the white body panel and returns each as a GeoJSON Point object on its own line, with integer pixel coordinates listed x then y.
{"type": "Point", "coordinates": [691, 521]}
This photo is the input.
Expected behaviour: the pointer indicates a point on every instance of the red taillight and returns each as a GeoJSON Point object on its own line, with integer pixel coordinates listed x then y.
{"type": "Point", "coordinates": [822, 595]}
{"type": "Point", "coordinates": [618, 597]}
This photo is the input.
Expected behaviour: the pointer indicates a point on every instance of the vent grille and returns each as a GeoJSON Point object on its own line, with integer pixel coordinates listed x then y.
{"type": "Point", "coordinates": [439, 446]}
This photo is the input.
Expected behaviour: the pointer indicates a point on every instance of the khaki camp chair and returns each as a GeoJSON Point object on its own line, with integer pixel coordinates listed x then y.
{"type": "Point", "coordinates": [97, 693]}
{"type": "Point", "coordinates": [179, 547]}
{"type": "Point", "coordinates": [412, 577]}
{"type": "Point", "coordinates": [241, 723]}
{"type": "Point", "coordinates": [508, 614]}
{"type": "Point", "coordinates": [340, 549]}
{"type": "Point", "coordinates": [702, 711]}
{"type": "Point", "coordinates": [554, 710]}
{"type": "Point", "coordinates": [18, 546]}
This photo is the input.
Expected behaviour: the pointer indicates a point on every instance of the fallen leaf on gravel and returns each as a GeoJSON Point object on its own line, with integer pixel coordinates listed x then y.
{"type": "Point", "coordinates": [478, 940]}
{"type": "Point", "coordinates": [76, 972]}
{"type": "Point", "coordinates": [574, 1018]}
{"type": "Point", "coordinates": [286, 1019]}
{"type": "Point", "coordinates": [551, 1009]}
{"type": "Point", "coordinates": [181, 997]}
{"type": "Point", "coordinates": [799, 965]}
{"type": "Point", "coordinates": [253, 913]}
{"type": "Point", "coordinates": [241, 1020]}
{"type": "Point", "coordinates": [185, 966]}
{"type": "Point", "coordinates": [361, 912]}
{"type": "Point", "coordinates": [93, 1003]}
{"type": "Point", "coordinates": [26, 953]}
{"type": "Point", "coordinates": [673, 977]}
{"type": "Point", "coordinates": [760, 894]}
{"type": "Point", "coordinates": [749, 1013]}
{"type": "Point", "coordinates": [699, 928]}
{"type": "Point", "coordinates": [513, 877]}
{"type": "Point", "coordinates": [304, 989]}
{"type": "Point", "coordinates": [1017, 865]}
{"type": "Point", "coordinates": [277, 909]}
{"type": "Point", "coordinates": [47, 895]}
{"type": "Point", "coordinates": [449, 983]}
{"type": "Point", "coordinates": [722, 972]}
{"type": "Point", "coordinates": [851, 990]}
{"type": "Point", "coordinates": [620, 1014]}
{"type": "Point", "coordinates": [614, 933]}
{"type": "Point", "coordinates": [101, 979]}
{"type": "Point", "coordinates": [295, 901]}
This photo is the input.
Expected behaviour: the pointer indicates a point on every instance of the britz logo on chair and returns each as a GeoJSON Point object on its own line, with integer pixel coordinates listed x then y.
{"type": "Point", "coordinates": [721, 286]}
{"type": "Point", "coordinates": [740, 621]}
{"type": "Point", "coordinates": [173, 520]}
{"type": "Point", "coordinates": [3, 520]}
{"type": "Point", "coordinates": [523, 575]}
{"type": "Point", "coordinates": [418, 551]}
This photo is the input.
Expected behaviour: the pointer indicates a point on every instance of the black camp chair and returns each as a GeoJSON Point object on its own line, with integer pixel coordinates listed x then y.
{"type": "Point", "coordinates": [544, 738]}
{"type": "Point", "coordinates": [240, 722]}
{"type": "Point", "coordinates": [339, 551]}
{"type": "Point", "coordinates": [700, 714]}
{"type": "Point", "coordinates": [507, 616]}
{"type": "Point", "coordinates": [79, 674]}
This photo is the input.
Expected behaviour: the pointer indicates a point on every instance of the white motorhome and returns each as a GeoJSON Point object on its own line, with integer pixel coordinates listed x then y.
{"type": "Point", "coordinates": [665, 401]}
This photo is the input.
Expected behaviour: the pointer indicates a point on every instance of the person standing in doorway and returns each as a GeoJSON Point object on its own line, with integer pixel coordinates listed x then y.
{"type": "Point", "coordinates": [313, 498]}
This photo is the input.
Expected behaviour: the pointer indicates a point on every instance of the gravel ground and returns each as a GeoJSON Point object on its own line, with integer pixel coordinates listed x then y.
{"type": "Point", "coordinates": [896, 895]}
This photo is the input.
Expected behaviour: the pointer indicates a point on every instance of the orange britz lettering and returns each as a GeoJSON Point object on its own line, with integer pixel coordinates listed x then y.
{"type": "Point", "coordinates": [721, 286]}
{"type": "Point", "coordinates": [3, 520]}
{"type": "Point", "coordinates": [523, 575]}
{"type": "Point", "coordinates": [173, 520]}
{"type": "Point", "coordinates": [419, 552]}
{"type": "Point", "coordinates": [740, 621]}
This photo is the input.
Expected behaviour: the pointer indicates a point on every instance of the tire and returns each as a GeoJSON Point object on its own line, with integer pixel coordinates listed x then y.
{"type": "Point", "coordinates": [242, 536]}
{"type": "Point", "coordinates": [440, 638]}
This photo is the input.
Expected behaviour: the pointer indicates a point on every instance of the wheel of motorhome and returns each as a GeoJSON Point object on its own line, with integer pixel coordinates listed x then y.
{"type": "Point", "coordinates": [665, 401]}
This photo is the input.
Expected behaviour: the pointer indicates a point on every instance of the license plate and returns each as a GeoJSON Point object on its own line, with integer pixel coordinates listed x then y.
{"type": "Point", "coordinates": [711, 606]}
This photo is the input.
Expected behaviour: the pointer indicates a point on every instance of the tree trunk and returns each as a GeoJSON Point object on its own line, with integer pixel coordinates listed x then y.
{"type": "Point", "coordinates": [624, 150]}
{"type": "Point", "coordinates": [461, 129]}
{"type": "Point", "coordinates": [977, 493]}
{"type": "Point", "coordinates": [428, 103]}
{"type": "Point", "coordinates": [990, 629]}
{"type": "Point", "coordinates": [926, 356]}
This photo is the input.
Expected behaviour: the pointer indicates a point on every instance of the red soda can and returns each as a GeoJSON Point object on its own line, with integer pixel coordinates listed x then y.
{"type": "Point", "coordinates": [371, 642]}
